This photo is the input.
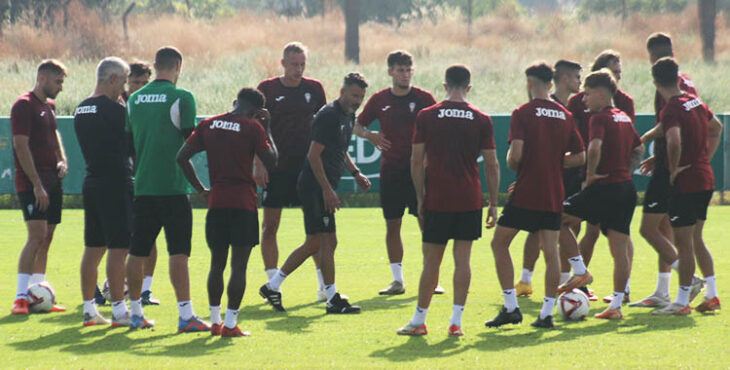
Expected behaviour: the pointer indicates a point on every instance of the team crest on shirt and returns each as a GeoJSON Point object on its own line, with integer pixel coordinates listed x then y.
{"type": "Point", "coordinates": [412, 106]}
{"type": "Point", "coordinates": [326, 221]}
{"type": "Point", "coordinates": [307, 96]}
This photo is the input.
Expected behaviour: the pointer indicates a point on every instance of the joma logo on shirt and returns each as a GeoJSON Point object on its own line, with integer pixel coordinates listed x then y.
{"type": "Point", "coordinates": [456, 113]}
{"type": "Point", "coordinates": [694, 103]}
{"type": "Point", "coordinates": [87, 109]}
{"type": "Point", "coordinates": [151, 98]}
{"type": "Point", "coordinates": [552, 113]}
{"type": "Point", "coordinates": [225, 125]}
{"type": "Point", "coordinates": [621, 118]}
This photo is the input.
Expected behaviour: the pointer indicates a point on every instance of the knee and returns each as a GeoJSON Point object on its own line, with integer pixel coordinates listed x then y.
{"type": "Point", "coordinates": [647, 231]}
{"type": "Point", "coordinates": [269, 228]}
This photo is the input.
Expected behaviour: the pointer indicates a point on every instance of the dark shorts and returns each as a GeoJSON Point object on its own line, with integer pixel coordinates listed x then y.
{"type": "Point", "coordinates": [152, 213]}
{"type": "Point", "coordinates": [610, 205]}
{"type": "Point", "coordinates": [52, 214]}
{"type": "Point", "coordinates": [572, 181]}
{"type": "Point", "coordinates": [687, 209]}
{"type": "Point", "coordinates": [281, 191]}
{"type": "Point", "coordinates": [397, 193]}
{"type": "Point", "coordinates": [528, 220]}
{"type": "Point", "coordinates": [231, 227]}
{"type": "Point", "coordinates": [439, 227]}
{"type": "Point", "coordinates": [316, 219]}
{"type": "Point", "coordinates": [656, 198]}
{"type": "Point", "coordinates": [107, 216]}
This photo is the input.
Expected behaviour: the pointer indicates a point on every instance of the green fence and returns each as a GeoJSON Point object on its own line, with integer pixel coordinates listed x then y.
{"type": "Point", "coordinates": [364, 154]}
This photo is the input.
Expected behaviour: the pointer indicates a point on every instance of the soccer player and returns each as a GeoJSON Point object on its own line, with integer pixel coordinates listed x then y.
{"type": "Point", "coordinates": [231, 140]}
{"type": "Point", "coordinates": [326, 161]}
{"type": "Point", "coordinates": [107, 191]}
{"type": "Point", "coordinates": [395, 108]}
{"type": "Point", "coordinates": [655, 226]}
{"type": "Point", "coordinates": [161, 116]}
{"type": "Point", "coordinates": [140, 73]}
{"type": "Point", "coordinates": [567, 82]}
{"type": "Point", "coordinates": [692, 134]}
{"type": "Point", "coordinates": [451, 134]}
{"type": "Point", "coordinates": [40, 165]}
{"type": "Point", "coordinates": [292, 100]}
{"type": "Point", "coordinates": [609, 196]}
{"type": "Point", "coordinates": [543, 140]}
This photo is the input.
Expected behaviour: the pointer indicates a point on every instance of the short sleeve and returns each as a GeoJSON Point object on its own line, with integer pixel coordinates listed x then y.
{"type": "Point", "coordinates": [322, 97]}
{"type": "Point", "coordinates": [260, 142]}
{"type": "Point", "coordinates": [187, 111]}
{"type": "Point", "coordinates": [637, 139]}
{"type": "Point", "coordinates": [195, 140]}
{"type": "Point", "coordinates": [575, 106]}
{"type": "Point", "coordinates": [486, 141]}
{"type": "Point", "coordinates": [669, 119]}
{"type": "Point", "coordinates": [516, 127]}
{"type": "Point", "coordinates": [597, 128]}
{"type": "Point", "coordinates": [428, 99]}
{"type": "Point", "coordinates": [323, 127]}
{"type": "Point", "coordinates": [367, 116]}
{"type": "Point", "coordinates": [21, 118]}
{"type": "Point", "coordinates": [419, 134]}
{"type": "Point", "coordinates": [708, 112]}
{"type": "Point", "coordinates": [575, 141]}
{"type": "Point", "coordinates": [629, 108]}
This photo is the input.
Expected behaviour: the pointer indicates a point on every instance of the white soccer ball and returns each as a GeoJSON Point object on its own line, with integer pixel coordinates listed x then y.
{"type": "Point", "coordinates": [107, 293]}
{"type": "Point", "coordinates": [573, 305]}
{"type": "Point", "coordinates": [41, 297]}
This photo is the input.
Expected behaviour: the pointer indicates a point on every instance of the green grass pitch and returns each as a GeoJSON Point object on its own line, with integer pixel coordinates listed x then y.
{"type": "Point", "coordinates": [305, 337]}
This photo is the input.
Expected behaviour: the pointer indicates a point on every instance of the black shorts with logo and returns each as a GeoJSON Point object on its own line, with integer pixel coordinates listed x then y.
{"type": "Point", "coordinates": [52, 214]}
{"type": "Point", "coordinates": [656, 198]}
{"type": "Point", "coordinates": [231, 227]}
{"type": "Point", "coordinates": [439, 227]}
{"type": "Point", "coordinates": [108, 215]}
{"type": "Point", "coordinates": [686, 209]}
{"type": "Point", "coordinates": [610, 205]}
{"type": "Point", "coordinates": [155, 212]}
{"type": "Point", "coordinates": [528, 220]}
{"type": "Point", "coordinates": [281, 190]}
{"type": "Point", "coordinates": [397, 193]}
{"type": "Point", "coordinates": [316, 218]}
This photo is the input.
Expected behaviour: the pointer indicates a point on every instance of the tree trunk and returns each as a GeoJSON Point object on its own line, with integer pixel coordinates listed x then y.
{"type": "Point", "coordinates": [707, 12]}
{"type": "Point", "coordinates": [124, 20]}
{"type": "Point", "coordinates": [470, 15]}
{"type": "Point", "coordinates": [352, 31]}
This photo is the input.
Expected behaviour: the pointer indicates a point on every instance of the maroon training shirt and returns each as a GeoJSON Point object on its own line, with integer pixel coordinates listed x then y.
{"type": "Point", "coordinates": [454, 133]}
{"type": "Point", "coordinates": [230, 142]}
{"type": "Point", "coordinates": [582, 116]}
{"type": "Point", "coordinates": [616, 129]}
{"type": "Point", "coordinates": [548, 132]}
{"type": "Point", "coordinates": [397, 115]}
{"type": "Point", "coordinates": [36, 119]}
{"type": "Point", "coordinates": [292, 110]}
{"type": "Point", "coordinates": [691, 115]}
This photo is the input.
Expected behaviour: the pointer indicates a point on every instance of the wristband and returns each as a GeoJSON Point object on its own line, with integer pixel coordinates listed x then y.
{"type": "Point", "coordinates": [355, 173]}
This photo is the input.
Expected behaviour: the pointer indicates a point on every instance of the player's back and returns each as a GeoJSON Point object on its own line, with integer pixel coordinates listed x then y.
{"type": "Point", "coordinates": [619, 138]}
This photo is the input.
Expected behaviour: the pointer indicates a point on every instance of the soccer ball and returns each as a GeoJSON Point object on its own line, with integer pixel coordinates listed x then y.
{"type": "Point", "coordinates": [573, 305]}
{"type": "Point", "coordinates": [107, 293]}
{"type": "Point", "coordinates": [41, 297]}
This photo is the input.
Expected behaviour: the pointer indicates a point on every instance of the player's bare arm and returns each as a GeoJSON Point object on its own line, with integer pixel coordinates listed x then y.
{"type": "Point", "coordinates": [574, 159]}
{"type": "Point", "coordinates": [674, 153]}
{"type": "Point", "coordinates": [655, 133]}
{"type": "Point", "coordinates": [361, 180]}
{"type": "Point", "coordinates": [636, 156]}
{"type": "Point", "coordinates": [183, 160]}
{"type": "Point", "coordinates": [270, 158]}
{"type": "Point", "coordinates": [594, 158]}
{"type": "Point", "coordinates": [514, 154]}
{"type": "Point", "coordinates": [62, 165]}
{"type": "Point", "coordinates": [25, 158]}
{"type": "Point", "coordinates": [713, 137]}
{"type": "Point", "coordinates": [418, 173]}
{"type": "Point", "coordinates": [314, 156]}
{"type": "Point", "coordinates": [491, 168]}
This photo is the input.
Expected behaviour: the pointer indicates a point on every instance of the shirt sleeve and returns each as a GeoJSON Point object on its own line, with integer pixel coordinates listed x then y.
{"type": "Point", "coordinates": [487, 135]}
{"type": "Point", "coordinates": [322, 96]}
{"type": "Point", "coordinates": [628, 106]}
{"type": "Point", "coordinates": [195, 140]}
{"type": "Point", "coordinates": [668, 119]}
{"type": "Point", "coordinates": [260, 142]}
{"type": "Point", "coordinates": [710, 114]}
{"type": "Point", "coordinates": [637, 139]}
{"type": "Point", "coordinates": [367, 116]}
{"type": "Point", "coordinates": [21, 118]}
{"type": "Point", "coordinates": [187, 111]}
{"type": "Point", "coordinates": [597, 129]}
{"type": "Point", "coordinates": [323, 127]}
{"type": "Point", "coordinates": [419, 134]}
{"type": "Point", "coordinates": [575, 142]}
{"type": "Point", "coordinates": [516, 128]}
{"type": "Point", "coordinates": [429, 100]}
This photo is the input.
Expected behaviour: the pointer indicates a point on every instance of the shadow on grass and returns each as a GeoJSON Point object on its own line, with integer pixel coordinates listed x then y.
{"type": "Point", "coordinates": [416, 348]}
{"type": "Point", "coordinates": [385, 302]}
{"type": "Point", "coordinates": [13, 319]}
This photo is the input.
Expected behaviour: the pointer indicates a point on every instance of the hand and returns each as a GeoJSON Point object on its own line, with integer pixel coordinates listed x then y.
{"type": "Point", "coordinates": [590, 179]}
{"type": "Point", "coordinates": [363, 182]}
{"type": "Point", "coordinates": [41, 197]}
{"type": "Point", "coordinates": [205, 193]}
{"type": "Point", "coordinates": [379, 141]}
{"type": "Point", "coordinates": [673, 175]}
{"type": "Point", "coordinates": [62, 168]}
{"type": "Point", "coordinates": [261, 176]}
{"type": "Point", "coordinates": [491, 216]}
{"type": "Point", "coordinates": [331, 202]}
{"type": "Point", "coordinates": [511, 188]}
{"type": "Point", "coordinates": [263, 116]}
{"type": "Point", "coordinates": [647, 166]}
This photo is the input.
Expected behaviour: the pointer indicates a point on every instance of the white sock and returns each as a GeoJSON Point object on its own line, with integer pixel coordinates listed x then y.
{"type": "Point", "coordinates": [320, 279]}
{"type": "Point", "coordinates": [710, 287]}
{"type": "Point", "coordinates": [548, 304]}
{"type": "Point", "coordinates": [456, 315]}
{"type": "Point", "coordinates": [22, 291]}
{"type": "Point", "coordinates": [526, 276]}
{"type": "Point", "coordinates": [185, 308]}
{"type": "Point", "coordinates": [119, 309]}
{"type": "Point", "coordinates": [618, 298]}
{"type": "Point", "coordinates": [675, 265]}
{"type": "Point", "coordinates": [276, 280]}
{"type": "Point", "coordinates": [215, 315]}
{"type": "Point", "coordinates": [683, 295]}
{"type": "Point", "coordinates": [627, 290]}
{"type": "Point", "coordinates": [330, 291]}
{"type": "Point", "coordinates": [231, 318]}
{"type": "Point", "coordinates": [136, 307]}
{"type": "Point", "coordinates": [270, 273]}
{"type": "Point", "coordinates": [90, 308]}
{"type": "Point", "coordinates": [147, 283]}
{"type": "Point", "coordinates": [662, 284]}
{"type": "Point", "coordinates": [510, 299]}
{"type": "Point", "coordinates": [579, 268]}
{"type": "Point", "coordinates": [419, 318]}
{"type": "Point", "coordinates": [564, 276]}
{"type": "Point", "coordinates": [397, 270]}
{"type": "Point", "coordinates": [37, 278]}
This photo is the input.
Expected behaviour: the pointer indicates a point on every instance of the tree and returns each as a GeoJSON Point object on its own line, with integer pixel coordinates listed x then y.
{"type": "Point", "coordinates": [352, 30]}
{"type": "Point", "coordinates": [707, 13]}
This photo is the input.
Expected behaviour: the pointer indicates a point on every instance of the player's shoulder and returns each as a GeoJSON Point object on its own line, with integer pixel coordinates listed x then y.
{"type": "Point", "coordinates": [24, 101]}
{"type": "Point", "coordinates": [184, 93]}
{"type": "Point", "coordinates": [422, 93]}
{"type": "Point", "coordinates": [381, 93]}
{"type": "Point", "coordinates": [312, 82]}
{"type": "Point", "coordinates": [433, 109]}
{"type": "Point", "coordinates": [620, 94]}
{"type": "Point", "coordinates": [268, 82]}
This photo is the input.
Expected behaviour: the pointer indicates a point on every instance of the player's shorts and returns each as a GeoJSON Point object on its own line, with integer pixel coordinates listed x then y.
{"type": "Point", "coordinates": [397, 193]}
{"type": "Point", "coordinates": [52, 214]}
{"type": "Point", "coordinates": [282, 190]}
{"type": "Point", "coordinates": [656, 198]}
{"type": "Point", "coordinates": [439, 227]}
{"type": "Point", "coordinates": [152, 213]}
{"type": "Point", "coordinates": [686, 209]}
{"type": "Point", "coordinates": [108, 216]}
{"type": "Point", "coordinates": [316, 218]}
{"type": "Point", "coordinates": [528, 220]}
{"type": "Point", "coordinates": [572, 181]}
{"type": "Point", "coordinates": [610, 205]}
{"type": "Point", "coordinates": [231, 227]}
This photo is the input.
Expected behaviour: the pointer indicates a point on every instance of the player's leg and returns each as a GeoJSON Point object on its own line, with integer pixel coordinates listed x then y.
{"type": "Point", "coordinates": [529, 258]}
{"type": "Point", "coordinates": [684, 240]}
{"type": "Point", "coordinates": [704, 258]}
{"type": "Point", "coordinates": [654, 230]}
{"type": "Point", "coordinates": [269, 245]}
{"type": "Point", "coordinates": [115, 272]}
{"type": "Point", "coordinates": [394, 197]}
{"type": "Point", "coordinates": [36, 235]}
{"type": "Point", "coordinates": [588, 242]}
{"type": "Point", "coordinates": [89, 274]}
{"type": "Point", "coordinates": [53, 218]}
{"type": "Point", "coordinates": [433, 253]}
{"type": "Point", "coordinates": [147, 226]}
{"type": "Point", "coordinates": [619, 245]}
{"type": "Point", "coordinates": [149, 271]}
{"type": "Point", "coordinates": [218, 244]}
{"type": "Point", "coordinates": [462, 280]}
{"type": "Point", "coordinates": [549, 243]}
{"type": "Point", "coordinates": [236, 288]}
{"type": "Point", "coordinates": [569, 246]}
{"type": "Point", "coordinates": [510, 312]}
